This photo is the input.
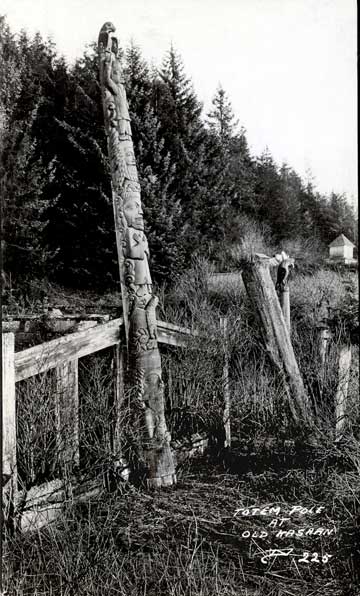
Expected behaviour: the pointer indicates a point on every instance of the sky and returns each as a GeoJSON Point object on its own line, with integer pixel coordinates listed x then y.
{"type": "Point", "coordinates": [289, 67]}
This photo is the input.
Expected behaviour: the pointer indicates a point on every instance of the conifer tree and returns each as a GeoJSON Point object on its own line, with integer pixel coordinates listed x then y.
{"type": "Point", "coordinates": [267, 190]}
{"type": "Point", "coordinates": [200, 163]}
{"type": "Point", "coordinates": [243, 175]}
{"type": "Point", "coordinates": [81, 228]}
{"type": "Point", "coordinates": [26, 69]}
{"type": "Point", "coordinates": [221, 118]}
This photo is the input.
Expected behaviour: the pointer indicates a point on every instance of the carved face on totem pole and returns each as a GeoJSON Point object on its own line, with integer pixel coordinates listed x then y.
{"type": "Point", "coordinates": [133, 213]}
{"type": "Point", "coordinates": [114, 45]}
{"type": "Point", "coordinates": [130, 156]}
{"type": "Point", "coordinates": [111, 112]}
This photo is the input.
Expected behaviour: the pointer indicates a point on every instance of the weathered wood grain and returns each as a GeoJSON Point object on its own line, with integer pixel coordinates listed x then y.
{"type": "Point", "coordinates": [261, 290]}
{"type": "Point", "coordinates": [173, 335]}
{"type": "Point", "coordinates": [71, 347]}
{"type": "Point", "coordinates": [8, 410]}
{"type": "Point", "coordinates": [119, 366]}
{"type": "Point", "coordinates": [77, 345]}
{"type": "Point", "coordinates": [284, 297]}
{"type": "Point", "coordinates": [225, 381]}
{"type": "Point", "coordinates": [342, 389]}
{"type": "Point", "coordinates": [67, 415]}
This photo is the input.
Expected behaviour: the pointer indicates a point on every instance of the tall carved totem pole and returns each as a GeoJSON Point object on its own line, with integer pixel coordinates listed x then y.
{"type": "Point", "coordinates": [139, 303]}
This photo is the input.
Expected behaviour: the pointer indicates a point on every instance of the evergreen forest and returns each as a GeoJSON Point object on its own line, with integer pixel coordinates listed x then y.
{"type": "Point", "coordinates": [201, 187]}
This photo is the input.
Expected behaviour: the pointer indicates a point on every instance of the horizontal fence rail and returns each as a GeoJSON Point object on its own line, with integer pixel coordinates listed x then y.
{"type": "Point", "coordinates": [57, 352]}
{"type": "Point", "coordinates": [62, 355]}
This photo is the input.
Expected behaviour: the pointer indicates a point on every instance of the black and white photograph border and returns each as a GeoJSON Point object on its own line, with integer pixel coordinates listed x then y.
{"type": "Point", "coordinates": [179, 271]}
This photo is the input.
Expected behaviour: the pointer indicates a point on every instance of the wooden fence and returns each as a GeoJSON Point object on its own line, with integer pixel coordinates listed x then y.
{"type": "Point", "coordinates": [62, 356]}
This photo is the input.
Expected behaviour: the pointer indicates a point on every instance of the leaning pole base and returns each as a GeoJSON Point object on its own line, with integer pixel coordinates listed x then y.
{"type": "Point", "coordinates": [261, 290]}
{"type": "Point", "coordinates": [158, 463]}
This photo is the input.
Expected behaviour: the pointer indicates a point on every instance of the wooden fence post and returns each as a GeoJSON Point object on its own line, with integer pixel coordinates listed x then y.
{"type": "Point", "coordinates": [119, 394]}
{"type": "Point", "coordinates": [170, 385]}
{"type": "Point", "coordinates": [342, 389]}
{"type": "Point", "coordinates": [225, 383]}
{"type": "Point", "coordinates": [9, 413]}
{"type": "Point", "coordinates": [67, 415]}
{"type": "Point", "coordinates": [121, 468]}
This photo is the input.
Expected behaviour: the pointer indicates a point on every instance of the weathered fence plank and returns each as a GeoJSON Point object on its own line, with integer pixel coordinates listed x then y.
{"type": "Point", "coordinates": [77, 345]}
{"type": "Point", "coordinates": [172, 335]}
{"type": "Point", "coordinates": [59, 351]}
{"type": "Point", "coordinates": [67, 415]}
{"type": "Point", "coordinates": [8, 410]}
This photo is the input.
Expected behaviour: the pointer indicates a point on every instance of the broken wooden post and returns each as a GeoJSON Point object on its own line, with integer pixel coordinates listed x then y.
{"type": "Point", "coordinates": [67, 416]}
{"type": "Point", "coordinates": [9, 469]}
{"type": "Point", "coordinates": [139, 303]}
{"type": "Point", "coordinates": [225, 382]}
{"type": "Point", "coordinates": [342, 389]}
{"type": "Point", "coordinates": [261, 290]}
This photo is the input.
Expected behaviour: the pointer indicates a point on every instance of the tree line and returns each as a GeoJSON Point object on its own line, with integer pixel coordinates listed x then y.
{"type": "Point", "coordinates": [199, 179]}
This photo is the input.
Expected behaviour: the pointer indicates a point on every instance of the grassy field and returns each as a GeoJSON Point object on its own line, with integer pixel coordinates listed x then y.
{"type": "Point", "coordinates": [194, 540]}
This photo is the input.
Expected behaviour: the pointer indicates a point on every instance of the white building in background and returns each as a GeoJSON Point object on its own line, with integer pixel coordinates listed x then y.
{"type": "Point", "coordinates": [342, 249]}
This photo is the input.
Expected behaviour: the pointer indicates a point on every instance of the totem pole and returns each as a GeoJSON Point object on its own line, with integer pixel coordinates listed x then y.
{"type": "Point", "coordinates": [139, 303]}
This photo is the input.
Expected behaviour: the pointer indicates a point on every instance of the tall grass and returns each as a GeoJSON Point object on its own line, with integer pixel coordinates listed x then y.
{"type": "Point", "coordinates": [185, 540]}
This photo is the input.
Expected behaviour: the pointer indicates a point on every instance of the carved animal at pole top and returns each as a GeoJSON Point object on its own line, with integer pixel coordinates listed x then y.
{"type": "Point", "coordinates": [139, 303]}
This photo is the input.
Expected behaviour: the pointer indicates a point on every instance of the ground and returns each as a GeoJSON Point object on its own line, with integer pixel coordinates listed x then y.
{"type": "Point", "coordinates": [214, 534]}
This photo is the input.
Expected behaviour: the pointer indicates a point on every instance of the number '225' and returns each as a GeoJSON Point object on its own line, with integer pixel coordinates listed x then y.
{"type": "Point", "coordinates": [308, 557]}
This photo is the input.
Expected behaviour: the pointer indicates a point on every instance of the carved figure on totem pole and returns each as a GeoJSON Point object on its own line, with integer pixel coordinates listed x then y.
{"type": "Point", "coordinates": [139, 304]}
{"type": "Point", "coordinates": [118, 111]}
{"type": "Point", "coordinates": [136, 246]}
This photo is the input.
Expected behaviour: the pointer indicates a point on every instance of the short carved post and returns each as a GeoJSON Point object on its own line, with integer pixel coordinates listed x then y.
{"type": "Point", "coordinates": [342, 389]}
{"type": "Point", "coordinates": [285, 306]}
{"type": "Point", "coordinates": [67, 416]}
{"type": "Point", "coordinates": [225, 383]}
{"type": "Point", "coordinates": [259, 286]}
{"type": "Point", "coordinates": [9, 470]}
{"type": "Point", "coordinates": [282, 285]}
{"type": "Point", "coordinates": [324, 336]}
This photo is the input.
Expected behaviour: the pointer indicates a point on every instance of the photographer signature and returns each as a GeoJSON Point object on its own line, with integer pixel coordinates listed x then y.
{"type": "Point", "coordinates": [305, 557]}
